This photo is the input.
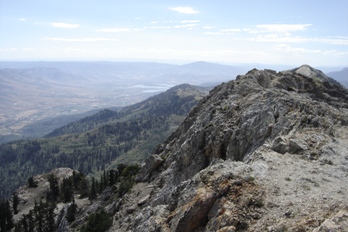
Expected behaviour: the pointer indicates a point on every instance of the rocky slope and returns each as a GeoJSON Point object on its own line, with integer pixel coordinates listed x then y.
{"type": "Point", "coordinates": [266, 152]}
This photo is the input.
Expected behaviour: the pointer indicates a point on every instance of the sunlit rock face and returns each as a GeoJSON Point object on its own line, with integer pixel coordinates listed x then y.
{"type": "Point", "coordinates": [265, 152]}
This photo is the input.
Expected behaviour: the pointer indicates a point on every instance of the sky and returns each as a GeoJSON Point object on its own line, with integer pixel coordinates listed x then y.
{"type": "Point", "coordinates": [283, 32]}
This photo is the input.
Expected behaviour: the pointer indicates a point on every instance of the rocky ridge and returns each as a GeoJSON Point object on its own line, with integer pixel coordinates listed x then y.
{"type": "Point", "coordinates": [266, 152]}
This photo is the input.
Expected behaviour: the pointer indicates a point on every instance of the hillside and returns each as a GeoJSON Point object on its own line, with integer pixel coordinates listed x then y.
{"type": "Point", "coordinates": [103, 139]}
{"type": "Point", "coordinates": [265, 152]}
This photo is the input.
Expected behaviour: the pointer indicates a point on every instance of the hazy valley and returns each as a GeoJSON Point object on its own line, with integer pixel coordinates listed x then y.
{"type": "Point", "coordinates": [35, 94]}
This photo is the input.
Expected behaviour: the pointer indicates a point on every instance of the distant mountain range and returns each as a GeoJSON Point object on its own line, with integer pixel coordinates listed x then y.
{"type": "Point", "coordinates": [340, 76]}
{"type": "Point", "coordinates": [41, 92]}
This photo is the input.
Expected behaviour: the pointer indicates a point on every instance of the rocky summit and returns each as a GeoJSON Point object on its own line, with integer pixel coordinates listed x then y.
{"type": "Point", "coordinates": [264, 152]}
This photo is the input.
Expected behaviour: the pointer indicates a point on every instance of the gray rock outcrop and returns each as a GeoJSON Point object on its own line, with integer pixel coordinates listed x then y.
{"type": "Point", "coordinates": [265, 152]}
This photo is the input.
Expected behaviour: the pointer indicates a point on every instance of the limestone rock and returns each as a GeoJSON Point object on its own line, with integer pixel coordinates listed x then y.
{"type": "Point", "coordinates": [265, 152]}
{"type": "Point", "coordinates": [339, 222]}
{"type": "Point", "coordinates": [151, 163]}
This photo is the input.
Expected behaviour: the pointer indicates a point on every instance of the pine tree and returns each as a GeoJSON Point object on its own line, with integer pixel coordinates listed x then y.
{"type": "Point", "coordinates": [25, 224]}
{"type": "Point", "coordinates": [50, 223]}
{"type": "Point", "coordinates": [31, 182]}
{"type": "Point", "coordinates": [31, 222]}
{"type": "Point", "coordinates": [54, 186]}
{"type": "Point", "coordinates": [2, 216]}
{"type": "Point", "coordinates": [39, 216]}
{"type": "Point", "coordinates": [84, 188]}
{"type": "Point", "coordinates": [15, 202]}
{"type": "Point", "coordinates": [93, 193]}
{"type": "Point", "coordinates": [18, 227]}
{"type": "Point", "coordinates": [9, 217]}
{"type": "Point", "coordinates": [70, 215]}
{"type": "Point", "coordinates": [112, 177]}
{"type": "Point", "coordinates": [67, 190]}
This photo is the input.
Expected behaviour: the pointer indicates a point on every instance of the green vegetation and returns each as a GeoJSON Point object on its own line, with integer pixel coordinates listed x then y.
{"type": "Point", "coordinates": [31, 182]}
{"type": "Point", "coordinates": [42, 218]}
{"type": "Point", "coordinates": [98, 222]}
{"type": "Point", "coordinates": [97, 142]}
{"type": "Point", "coordinates": [6, 217]}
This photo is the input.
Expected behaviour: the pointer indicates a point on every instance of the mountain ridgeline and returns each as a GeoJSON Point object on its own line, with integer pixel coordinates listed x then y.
{"type": "Point", "coordinates": [94, 142]}
{"type": "Point", "coordinates": [178, 100]}
{"type": "Point", "coordinates": [264, 152]}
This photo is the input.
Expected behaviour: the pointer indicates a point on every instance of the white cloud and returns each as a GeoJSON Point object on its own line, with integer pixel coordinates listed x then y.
{"type": "Point", "coordinates": [299, 50]}
{"type": "Point", "coordinates": [213, 33]}
{"type": "Point", "coordinates": [17, 49]}
{"type": "Point", "coordinates": [186, 25]}
{"type": "Point", "coordinates": [80, 39]}
{"type": "Point", "coordinates": [208, 27]}
{"type": "Point", "coordinates": [231, 30]}
{"type": "Point", "coordinates": [22, 19]}
{"type": "Point", "coordinates": [287, 48]}
{"type": "Point", "coordinates": [65, 25]}
{"type": "Point", "coordinates": [114, 30]}
{"type": "Point", "coordinates": [158, 27]}
{"type": "Point", "coordinates": [190, 21]}
{"type": "Point", "coordinates": [252, 30]}
{"type": "Point", "coordinates": [222, 32]}
{"type": "Point", "coordinates": [276, 38]}
{"type": "Point", "coordinates": [184, 10]}
{"type": "Point", "coordinates": [333, 40]}
{"type": "Point", "coordinates": [283, 28]}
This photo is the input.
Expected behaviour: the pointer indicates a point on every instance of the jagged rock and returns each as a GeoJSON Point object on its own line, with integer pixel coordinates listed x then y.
{"type": "Point", "coordinates": [278, 123]}
{"type": "Point", "coordinates": [131, 209]}
{"type": "Point", "coordinates": [265, 152]}
{"type": "Point", "coordinates": [113, 207]}
{"type": "Point", "coordinates": [152, 219]}
{"type": "Point", "coordinates": [143, 200]}
{"type": "Point", "coordinates": [151, 163]}
{"type": "Point", "coordinates": [279, 145]}
{"type": "Point", "coordinates": [339, 222]}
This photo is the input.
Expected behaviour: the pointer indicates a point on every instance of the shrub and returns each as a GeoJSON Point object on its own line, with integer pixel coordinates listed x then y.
{"type": "Point", "coordinates": [98, 222]}
{"type": "Point", "coordinates": [31, 182]}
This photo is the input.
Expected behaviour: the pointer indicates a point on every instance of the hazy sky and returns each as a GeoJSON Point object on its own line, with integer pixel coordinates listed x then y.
{"type": "Point", "coordinates": [230, 31]}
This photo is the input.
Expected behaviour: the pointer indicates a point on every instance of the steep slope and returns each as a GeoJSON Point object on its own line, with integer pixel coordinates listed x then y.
{"type": "Point", "coordinates": [266, 152]}
{"type": "Point", "coordinates": [177, 100]}
{"type": "Point", "coordinates": [92, 143]}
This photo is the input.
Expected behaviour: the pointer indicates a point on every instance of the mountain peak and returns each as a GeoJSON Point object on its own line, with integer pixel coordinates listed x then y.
{"type": "Point", "coordinates": [306, 70]}
{"type": "Point", "coordinates": [310, 72]}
